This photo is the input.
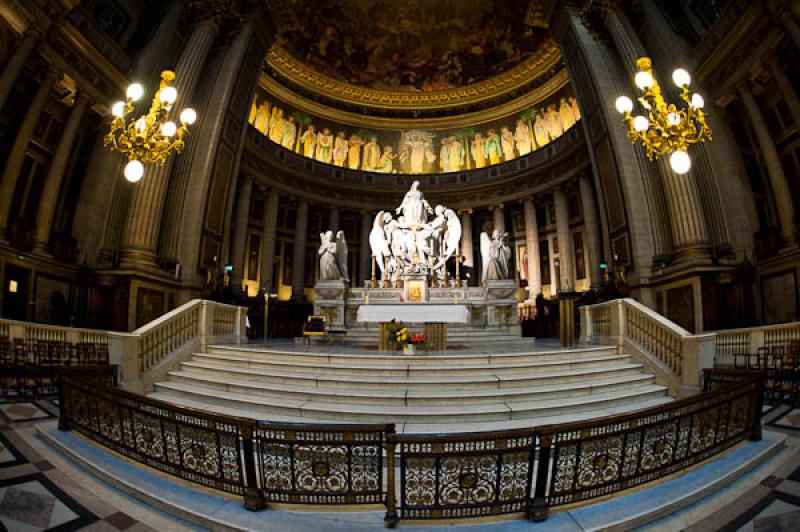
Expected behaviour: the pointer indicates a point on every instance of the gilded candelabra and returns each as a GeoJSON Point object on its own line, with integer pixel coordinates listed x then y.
{"type": "Point", "coordinates": [666, 129]}
{"type": "Point", "coordinates": [151, 137]}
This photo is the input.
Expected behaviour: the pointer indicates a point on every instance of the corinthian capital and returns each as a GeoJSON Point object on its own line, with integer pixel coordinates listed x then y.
{"type": "Point", "coordinates": [596, 13]}
{"type": "Point", "coordinates": [224, 15]}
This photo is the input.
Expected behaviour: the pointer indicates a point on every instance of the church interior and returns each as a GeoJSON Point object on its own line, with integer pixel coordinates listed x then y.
{"type": "Point", "coordinates": [498, 266]}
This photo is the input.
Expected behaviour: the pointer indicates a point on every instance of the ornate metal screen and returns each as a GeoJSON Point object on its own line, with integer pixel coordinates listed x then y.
{"type": "Point", "coordinates": [466, 475]}
{"type": "Point", "coordinates": [321, 464]}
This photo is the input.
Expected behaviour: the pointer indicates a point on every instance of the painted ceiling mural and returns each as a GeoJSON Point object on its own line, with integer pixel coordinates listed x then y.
{"type": "Point", "coordinates": [412, 45]}
{"type": "Point", "coordinates": [414, 151]}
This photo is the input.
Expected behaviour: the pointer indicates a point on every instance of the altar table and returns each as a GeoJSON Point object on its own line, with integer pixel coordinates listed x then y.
{"type": "Point", "coordinates": [435, 318]}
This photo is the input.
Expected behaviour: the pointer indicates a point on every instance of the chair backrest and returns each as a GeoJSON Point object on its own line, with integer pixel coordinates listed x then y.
{"type": "Point", "coordinates": [316, 324]}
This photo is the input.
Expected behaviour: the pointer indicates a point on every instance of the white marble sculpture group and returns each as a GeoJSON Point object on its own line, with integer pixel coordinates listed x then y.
{"type": "Point", "coordinates": [333, 257]}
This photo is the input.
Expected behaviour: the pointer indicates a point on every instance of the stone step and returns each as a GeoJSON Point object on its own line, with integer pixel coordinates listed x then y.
{"type": "Point", "coordinates": [400, 397]}
{"type": "Point", "coordinates": [320, 411]}
{"type": "Point", "coordinates": [486, 380]}
{"type": "Point", "coordinates": [399, 368]}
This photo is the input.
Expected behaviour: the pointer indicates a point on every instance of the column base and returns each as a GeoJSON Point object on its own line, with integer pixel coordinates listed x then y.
{"type": "Point", "coordinates": [136, 258]}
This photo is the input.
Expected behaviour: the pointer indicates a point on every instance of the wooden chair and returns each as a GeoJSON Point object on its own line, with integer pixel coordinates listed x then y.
{"type": "Point", "coordinates": [316, 326]}
{"type": "Point", "coordinates": [8, 374]}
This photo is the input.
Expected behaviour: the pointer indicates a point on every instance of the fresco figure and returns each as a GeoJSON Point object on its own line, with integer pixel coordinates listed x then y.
{"type": "Point", "coordinates": [553, 122]}
{"type": "Point", "coordinates": [456, 154]}
{"type": "Point", "coordinates": [309, 140]}
{"type": "Point", "coordinates": [565, 115]}
{"type": "Point", "coordinates": [522, 136]}
{"type": "Point", "coordinates": [444, 155]}
{"type": "Point", "coordinates": [340, 149]}
{"type": "Point", "coordinates": [477, 151]}
{"type": "Point", "coordinates": [386, 162]}
{"type": "Point", "coordinates": [289, 133]}
{"type": "Point", "coordinates": [417, 158]}
{"type": "Point", "coordinates": [492, 150]}
{"type": "Point", "coordinates": [540, 131]}
{"type": "Point", "coordinates": [576, 112]}
{"type": "Point", "coordinates": [372, 154]}
{"type": "Point", "coordinates": [507, 142]}
{"type": "Point", "coordinates": [354, 152]}
{"type": "Point", "coordinates": [276, 124]}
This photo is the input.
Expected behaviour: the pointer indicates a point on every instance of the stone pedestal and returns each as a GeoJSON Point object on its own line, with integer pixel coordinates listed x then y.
{"type": "Point", "coordinates": [501, 304]}
{"type": "Point", "coordinates": [330, 302]}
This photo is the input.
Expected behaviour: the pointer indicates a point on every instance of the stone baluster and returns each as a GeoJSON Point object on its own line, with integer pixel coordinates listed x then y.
{"type": "Point", "coordinates": [532, 245]}
{"type": "Point", "coordinates": [777, 177]}
{"type": "Point", "coordinates": [14, 65]}
{"type": "Point", "coordinates": [299, 250]}
{"type": "Point", "coordinates": [16, 156]}
{"type": "Point", "coordinates": [52, 185]}
{"type": "Point", "coordinates": [240, 230]}
{"type": "Point", "coordinates": [366, 252]}
{"type": "Point", "coordinates": [566, 255]}
{"type": "Point", "coordinates": [268, 242]}
{"type": "Point", "coordinates": [141, 233]}
{"type": "Point", "coordinates": [592, 231]}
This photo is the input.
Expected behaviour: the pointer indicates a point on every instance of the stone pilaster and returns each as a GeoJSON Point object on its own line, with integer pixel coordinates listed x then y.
{"type": "Point", "coordinates": [14, 65]}
{"type": "Point", "coordinates": [299, 250]}
{"type": "Point", "coordinates": [52, 185]}
{"type": "Point", "coordinates": [366, 252]}
{"type": "Point", "coordinates": [566, 256]}
{"type": "Point", "coordinates": [777, 177]}
{"type": "Point", "coordinates": [16, 156]}
{"type": "Point", "coordinates": [532, 245]}
{"type": "Point", "coordinates": [240, 229]}
{"type": "Point", "coordinates": [499, 219]}
{"type": "Point", "coordinates": [592, 231]}
{"type": "Point", "coordinates": [268, 240]}
{"type": "Point", "coordinates": [141, 233]}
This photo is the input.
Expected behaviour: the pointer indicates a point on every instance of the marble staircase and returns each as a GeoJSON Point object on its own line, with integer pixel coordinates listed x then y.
{"type": "Point", "coordinates": [452, 392]}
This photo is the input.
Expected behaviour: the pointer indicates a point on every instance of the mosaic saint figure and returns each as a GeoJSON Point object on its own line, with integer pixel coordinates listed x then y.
{"type": "Point", "coordinates": [444, 155]}
{"type": "Point", "coordinates": [553, 122]}
{"type": "Point", "coordinates": [340, 149]}
{"type": "Point", "coordinates": [492, 150]}
{"type": "Point", "coordinates": [261, 120]}
{"type": "Point", "coordinates": [507, 142]}
{"type": "Point", "coordinates": [456, 154]}
{"type": "Point", "coordinates": [325, 146]}
{"type": "Point", "coordinates": [522, 136]}
{"type": "Point", "coordinates": [576, 112]}
{"type": "Point", "coordinates": [372, 154]}
{"type": "Point", "coordinates": [565, 115]}
{"type": "Point", "coordinates": [477, 151]}
{"type": "Point", "coordinates": [289, 133]}
{"type": "Point", "coordinates": [276, 124]}
{"type": "Point", "coordinates": [386, 162]}
{"type": "Point", "coordinates": [540, 130]}
{"type": "Point", "coordinates": [354, 152]}
{"type": "Point", "coordinates": [417, 158]}
{"type": "Point", "coordinates": [309, 140]}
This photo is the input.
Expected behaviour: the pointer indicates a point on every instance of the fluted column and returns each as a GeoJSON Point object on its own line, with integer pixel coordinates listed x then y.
{"type": "Point", "coordinates": [499, 220]}
{"type": "Point", "coordinates": [240, 229]}
{"type": "Point", "coordinates": [140, 236]}
{"type": "Point", "coordinates": [268, 240]}
{"type": "Point", "coordinates": [333, 219]}
{"type": "Point", "coordinates": [777, 178]}
{"type": "Point", "coordinates": [566, 256]}
{"type": "Point", "coordinates": [52, 185]}
{"type": "Point", "coordinates": [299, 251]}
{"type": "Point", "coordinates": [532, 244]}
{"type": "Point", "coordinates": [592, 230]}
{"type": "Point", "coordinates": [784, 16]}
{"type": "Point", "coordinates": [787, 90]}
{"type": "Point", "coordinates": [17, 154]}
{"type": "Point", "coordinates": [14, 65]}
{"type": "Point", "coordinates": [366, 252]}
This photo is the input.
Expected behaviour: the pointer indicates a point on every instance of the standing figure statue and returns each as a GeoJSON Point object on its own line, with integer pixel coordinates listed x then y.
{"type": "Point", "coordinates": [328, 267]}
{"type": "Point", "coordinates": [378, 241]}
{"type": "Point", "coordinates": [452, 234]}
{"type": "Point", "coordinates": [415, 207]}
{"type": "Point", "coordinates": [341, 255]}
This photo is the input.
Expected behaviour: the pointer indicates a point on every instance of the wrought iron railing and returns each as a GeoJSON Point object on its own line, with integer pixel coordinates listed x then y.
{"type": "Point", "coordinates": [442, 476]}
{"type": "Point", "coordinates": [729, 344]}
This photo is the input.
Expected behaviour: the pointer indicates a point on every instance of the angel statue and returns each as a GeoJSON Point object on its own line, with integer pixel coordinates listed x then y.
{"type": "Point", "coordinates": [452, 234]}
{"type": "Point", "coordinates": [328, 267]}
{"type": "Point", "coordinates": [341, 255]}
{"type": "Point", "coordinates": [378, 242]}
{"type": "Point", "coordinates": [495, 256]}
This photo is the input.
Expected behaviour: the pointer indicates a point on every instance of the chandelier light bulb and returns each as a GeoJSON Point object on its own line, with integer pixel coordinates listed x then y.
{"type": "Point", "coordinates": [134, 171]}
{"type": "Point", "coordinates": [135, 91]}
{"type": "Point", "coordinates": [673, 119]}
{"type": "Point", "coordinates": [681, 77]}
{"type": "Point", "coordinates": [624, 105]}
{"type": "Point", "coordinates": [118, 109]}
{"type": "Point", "coordinates": [141, 125]}
{"type": "Point", "coordinates": [641, 123]}
{"type": "Point", "coordinates": [643, 80]}
{"type": "Point", "coordinates": [169, 129]}
{"type": "Point", "coordinates": [168, 95]}
{"type": "Point", "coordinates": [697, 101]}
{"type": "Point", "coordinates": [680, 162]}
{"type": "Point", "coordinates": [188, 116]}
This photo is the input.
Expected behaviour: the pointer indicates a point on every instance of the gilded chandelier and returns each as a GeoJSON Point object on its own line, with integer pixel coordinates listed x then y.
{"type": "Point", "coordinates": [666, 129]}
{"type": "Point", "coordinates": [151, 137]}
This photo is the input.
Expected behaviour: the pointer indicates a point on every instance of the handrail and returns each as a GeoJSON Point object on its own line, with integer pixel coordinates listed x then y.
{"type": "Point", "coordinates": [441, 476]}
{"type": "Point", "coordinates": [732, 342]}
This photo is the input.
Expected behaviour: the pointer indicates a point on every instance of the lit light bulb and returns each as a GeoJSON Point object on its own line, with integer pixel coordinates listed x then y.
{"type": "Point", "coordinates": [673, 119]}
{"type": "Point", "coordinates": [624, 105]}
{"type": "Point", "coordinates": [681, 77]}
{"type": "Point", "coordinates": [168, 95]}
{"type": "Point", "coordinates": [118, 109]}
{"type": "Point", "coordinates": [680, 162]}
{"type": "Point", "coordinates": [641, 123]}
{"type": "Point", "coordinates": [134, 171]}
{"type": "Point", "coordinates": [697, 101]}
{"type": "Point", "coordinates": [141, 125]}
{"type": "Point", "coordinates": [135, 91]}
{"type": "Point", "coordinates": [169, 129]}
{"type": "Point", "coordinates": [188, 116]}
{"type": "Point", "coordinates": [643, 80]}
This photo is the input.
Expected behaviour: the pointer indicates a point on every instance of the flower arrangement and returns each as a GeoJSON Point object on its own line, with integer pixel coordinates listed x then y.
{"type": "Point", "coordinates": [402, 338]}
